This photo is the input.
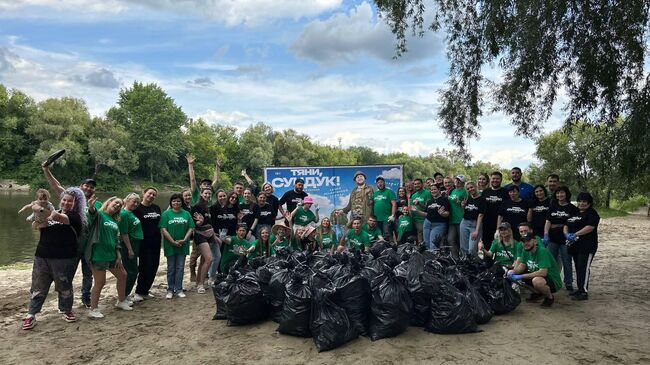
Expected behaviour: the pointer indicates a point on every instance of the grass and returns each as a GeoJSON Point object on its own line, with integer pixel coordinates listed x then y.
{"type": "Point", "coordinates": [610, 213]}
{"type": "Point", "coordinates": [17, 266]}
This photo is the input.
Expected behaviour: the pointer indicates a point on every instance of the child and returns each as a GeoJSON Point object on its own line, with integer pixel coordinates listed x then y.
{"type": "Point", "coordinates": [41, 209]}
{"type": "Point", "coordinates": [404, 226]}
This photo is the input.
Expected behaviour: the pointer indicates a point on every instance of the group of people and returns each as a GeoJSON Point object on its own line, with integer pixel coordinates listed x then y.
{"type": "Point", "coordinates": [530, 231]}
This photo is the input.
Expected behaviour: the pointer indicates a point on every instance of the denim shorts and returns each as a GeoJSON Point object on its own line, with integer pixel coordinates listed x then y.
{"type": "Point", "coordinates": [103, 265]}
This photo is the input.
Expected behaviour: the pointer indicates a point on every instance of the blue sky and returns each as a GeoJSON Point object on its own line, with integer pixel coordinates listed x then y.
{"type": "Point", "coordinates": [322, 67]}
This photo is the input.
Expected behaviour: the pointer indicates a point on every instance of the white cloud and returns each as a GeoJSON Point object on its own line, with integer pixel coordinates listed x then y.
{"type": "Point", "coordinates": [234, 117]}
{"type": "Point", "coordinates": [393, 173]}
{"type": "Point", "coordinates": [228, 12]}
{"type": "Point", "coordinates": [346, 37]}
{"type": "Point", "coordinates": [415, 148]}
{"type": "Point", "coordinates": [406, 111]}
{"type": "Point", "coordinates": [323, 203]}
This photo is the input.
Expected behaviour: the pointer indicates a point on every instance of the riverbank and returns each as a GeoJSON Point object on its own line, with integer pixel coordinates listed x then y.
{"type": "Point", "coordinates": [611, 327]}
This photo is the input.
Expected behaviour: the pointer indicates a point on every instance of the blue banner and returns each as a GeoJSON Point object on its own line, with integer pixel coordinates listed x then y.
{"type": "Point", "coordinates": [330, 186]}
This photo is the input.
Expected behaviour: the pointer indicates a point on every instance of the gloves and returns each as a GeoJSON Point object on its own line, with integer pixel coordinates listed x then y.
{"type": "Point", "coordinates": [571, 236]}
{"type": "Point", "coordinates": [514, 277]}
{"type": "Point", "coordinates": [391, 218]}
{"type": "Point", "coordinates": [546, 239]}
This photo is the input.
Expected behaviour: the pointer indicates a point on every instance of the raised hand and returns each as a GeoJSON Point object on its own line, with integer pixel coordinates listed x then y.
{"type": "Point", "coordinates": [190, 158]}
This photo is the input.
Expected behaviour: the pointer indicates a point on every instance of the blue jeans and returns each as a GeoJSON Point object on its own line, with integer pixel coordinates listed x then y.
{"type": "Point", "coordinates": [434, 234]}
{"type": "Point", "coordinates": [175, 270]}
{"type": "Point", "coordinates": [560, 251]}
{"type": "Point", "coordinates": [386, 230]}
{"type": "Point", "coordinates": [216, 259]}
{"type": "Point", "coordinates": [467, 244]}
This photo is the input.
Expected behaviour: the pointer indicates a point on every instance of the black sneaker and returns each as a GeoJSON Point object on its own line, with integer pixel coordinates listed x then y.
{"type": "Point", "coordinates": [86, 302]}
{"type": "Point", "coordinates": [574, 293]}
{"type": "Point", "coordinates": [548, 302]}
{"type": "Point", "coordinates": [534, 297]}
{"type": "Point", "coordinates": [580, 296]}
{"type": "Point", "coordinates": [569, 288]}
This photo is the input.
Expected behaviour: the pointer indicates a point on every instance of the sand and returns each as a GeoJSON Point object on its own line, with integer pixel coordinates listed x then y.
{"type": "Point", "coordinates": [613, 326]}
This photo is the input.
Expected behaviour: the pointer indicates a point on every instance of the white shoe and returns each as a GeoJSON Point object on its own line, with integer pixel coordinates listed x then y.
{"type": "Point", "coordinates": [95, 313]}
{"type": "Point", "coordinates": [123, 305]}
{"type": "Point", "coordinates": [180, 294]}
{"type": "Point", "coordinates": [169, 295]}
{"type": "Point", "coordinates": [200, 289]}
{"type": "Point", "coordinates": [151, 296]}
{"type": "Point", "coordinates": [137, 298]}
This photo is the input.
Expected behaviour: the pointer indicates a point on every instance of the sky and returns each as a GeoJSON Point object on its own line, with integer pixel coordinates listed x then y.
{"type": "Point", "coordinates": [325, 68]}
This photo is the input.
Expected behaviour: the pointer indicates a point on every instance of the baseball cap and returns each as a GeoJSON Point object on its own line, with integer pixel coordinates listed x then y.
{"type": "Point", "coordinates": [504, 225]}
{"type": "Point", "coordinates": [308, 200]}
{"type": "Point", "coordinates": [89, 182]}
{"type": "Point", "coordinates": [380, 178]}
{"type": "Point", "coordinates": [461, 178]}
{"type": "Point", "coordinates": [528, 236]}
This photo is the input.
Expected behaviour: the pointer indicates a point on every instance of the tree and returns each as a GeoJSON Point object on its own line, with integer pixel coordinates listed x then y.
{"type": "Point", "coordinates": [293, 149]}
{"type": "Point", "coordinates": [16, 113]}
{"type": "Point", "coordinates": [154, 123]}
{"type": "Point", "coordinates": [203, 142]}
{"type": "Point", "coordinates": [109, 145]}
{"type": "Point", "coordinates": [593, 50]}
{"type": "Point", "coordinates": [256, 149]}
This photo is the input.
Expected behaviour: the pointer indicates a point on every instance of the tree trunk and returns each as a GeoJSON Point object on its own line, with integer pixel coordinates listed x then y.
{"type": "Point", "coordinates": [608, 197]}
{"type": "Point", "coordinates": [96, 171]}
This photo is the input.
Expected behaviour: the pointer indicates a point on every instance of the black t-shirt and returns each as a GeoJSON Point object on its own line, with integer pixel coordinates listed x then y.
{"type": "Point", "coordinates": [587, 243]}
{"type": "Point", "coordinates": [493, 200]}
{"type": "Point", "coordinates": [224, 218]}
{"type": "Point", "coordinates": [514, 213]}
{"type": "Point", "coordinates": [291, 199]}
{"type": "Point", "coordinates": [265, 214]}
{"type": "Point", "coordinates": [432, 209]}
{"type": "Point", "coordinates": [149, 219]}
{"type": "Point", "coordinates": [558, 214]}
{"type": "Point", "coordinates": [474, 207]}
{"type": "Point", "coordinates": [58, 240]}
{"type": "Point", "coordinates": [249, 212]}
{"type": "Point", "coordinates": [540, 208]}
{"type": "Point", "coordinates": [203, 210]}
{"type": "Point", "coordinates": [275, 204]}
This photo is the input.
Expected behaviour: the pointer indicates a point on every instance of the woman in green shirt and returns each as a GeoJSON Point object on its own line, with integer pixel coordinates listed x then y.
{"type": "Point", "coordinates": [105, 253]}
{"type": "Point", "coordinates": [176, 227]}
{"type": "Point", "coordinates": [504, 250]}
{"type": "Point", "coordinates": [233, 247]}
{"type": "Point", "coordinates": [131, 235]}
{"type": "Point", "coordinates": [261, 246]}
{"type": "Point", "coordinates": [302, 215]}
{"type": "Point", "coordinates": [326, 236]}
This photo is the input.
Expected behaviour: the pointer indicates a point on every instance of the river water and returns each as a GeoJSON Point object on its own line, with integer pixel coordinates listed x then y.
{"type": "Point", "coordinates": [17, 238]}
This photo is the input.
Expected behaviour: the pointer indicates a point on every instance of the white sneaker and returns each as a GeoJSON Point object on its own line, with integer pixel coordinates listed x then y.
{"type": "Point", "coordinates": [123, 305]}
{"type": "Point", "coordinates": [180, 294]}
{"type": "Point", "coordinates": [137, 298]}
{"type": "Point", "coordinates": [169, 295]}
{"type": "Point", "coordinates": [150, 296]}
{"type": "Point", "coordinates": [200, 289]}
{"type": "Point", "coordinates": [95, 313]}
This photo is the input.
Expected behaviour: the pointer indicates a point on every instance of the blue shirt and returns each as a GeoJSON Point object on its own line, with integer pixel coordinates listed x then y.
{"type": "Point", "coordinates": [525, 190]}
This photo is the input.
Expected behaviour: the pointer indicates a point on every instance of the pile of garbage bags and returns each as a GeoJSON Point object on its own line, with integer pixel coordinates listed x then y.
{"type": "Point", "coordinates": [335, 298]}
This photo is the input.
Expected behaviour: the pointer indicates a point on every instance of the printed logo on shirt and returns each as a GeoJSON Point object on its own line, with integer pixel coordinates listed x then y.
{"type": "Point", "coordinates": [264, 213]}
{"type": "Point", "coordinates": [516, 210]}
{"type": "Point", "coordinates": [560, 214]}
{"type": "Point", "coordinates": [136, 222]}
{"type": "Point", "coordinates": [51, 223]}
{"type": "Point", "coordinates": [434, 206]}
{"type": "Point", "coordinates": [531, 266]}
{"type": "Point", "coordinates": [380, 197]}
{"type": "Point", "coordinates": [404, 223]}
{"type": "Point", "coordinates": [226, 216]}
{"type": "Point", "coordinates": [112, 225]}
{"type": "Point", "coordinates": [471, 207]}
{"type": "Point", "coordinates": [246, 211]}
{"type": "Point", "coordinates": [151, 215]}
{"type": "Point", "coordinates": [540, 208]}
{"type": "Point", "coordinates": [177, 220]}
{"type": "Point", "coordinates": [493, 199]}
{"type": "Point", "coordinates": [574, 219]}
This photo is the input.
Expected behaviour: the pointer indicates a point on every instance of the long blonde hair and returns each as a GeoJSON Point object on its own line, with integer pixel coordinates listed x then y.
{"type": "Point", "coordinates": [116, 215]}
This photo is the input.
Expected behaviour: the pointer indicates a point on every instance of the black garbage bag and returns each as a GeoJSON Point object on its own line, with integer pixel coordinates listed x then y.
{"type": "Point", "coordinates": [378, 248]}
{"type": "Point", "coordinates": [482, 311]}
{"type": "Point", "coordinates": [330, 324]}
{"type": "Point", "coordinates": [245, 303]}
{"type": "Point", "coordinates": [353, 295]}
{"type": "Point", "coordinates": [295, 316]}
{"type": "Point", "coordinates": [221, 289]}
{"type": "Point", "coordinates": [390, 306]}
{"type": "Point", "coordinates": [276, 290]}
{"type": "Point", "coordinates": [372, 269]}
{"type": "Point", "coordinates": [501, 297]}
{"type": "Point", "coordinates": [257, 262]}
{"type": "Point", "coordinates": [421, 299]}
{"type": "Point", "coordinates": [451, 312]}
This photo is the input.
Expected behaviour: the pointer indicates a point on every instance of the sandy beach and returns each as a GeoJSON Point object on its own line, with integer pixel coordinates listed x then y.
{"type": "Point", "coordinates": [613, 326]}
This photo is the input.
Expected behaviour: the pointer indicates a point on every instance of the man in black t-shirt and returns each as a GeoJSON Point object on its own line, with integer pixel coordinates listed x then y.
{"type": "Point", "coordinates": [292, 198]}
{"type": "Point", "coordinates": [494, 197]}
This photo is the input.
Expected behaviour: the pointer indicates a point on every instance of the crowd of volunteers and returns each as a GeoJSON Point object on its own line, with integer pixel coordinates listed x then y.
{"type": "Point", "coordinates": [534, 231]}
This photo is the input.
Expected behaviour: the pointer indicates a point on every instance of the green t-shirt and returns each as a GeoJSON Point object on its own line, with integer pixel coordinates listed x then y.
{"type": "Point", "coordinates": [230, 251]}
{"type": "Point", "coordinates": [130, 224]}
{"type": "Point", "coordinates": [542, 259]}
{"type": "Point", "coordinates": [303, 217]}
{"type": "Point", "coordinates": [505, 256]}
{"type": "Point", "coordinates": [256, 252]}
{"type": "Point", "coordinates": [104, 249]}
{"type": "Point", "coordinates": [328, 240]}
{"type": "Point", "coordinates": [281, 244]}
{"type": "Point", "coordinates": [382, 204]}
{"type": "Point", "coordinates": [457, 211]}
{"type": "Point", "coordinates": [358, 241]}
{"type": "Point", "coordinates": [419, 200]}
{"type": "Point", "coordinates": [177, 224]}
{"type": "Point", "coordinates": [374, 233]}
{"type": "Point", "coordinates": [404, 225]}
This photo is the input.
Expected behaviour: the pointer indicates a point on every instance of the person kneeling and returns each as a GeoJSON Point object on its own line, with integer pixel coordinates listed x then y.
{"type": "Point", "coordinates": [537, 268]}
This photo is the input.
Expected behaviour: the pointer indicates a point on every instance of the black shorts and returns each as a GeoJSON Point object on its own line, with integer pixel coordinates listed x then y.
{"type": "Point", "coordinates": [548, 282]}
